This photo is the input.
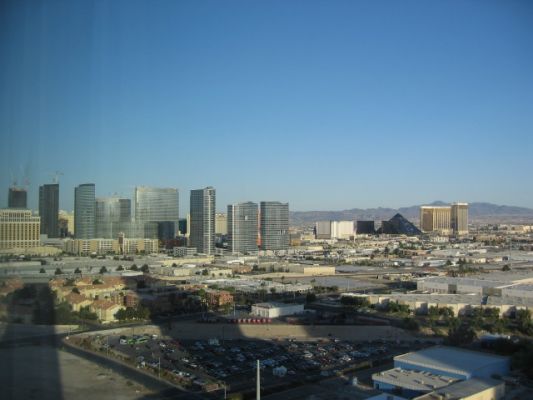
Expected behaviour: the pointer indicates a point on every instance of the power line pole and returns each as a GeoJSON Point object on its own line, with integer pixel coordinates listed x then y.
{"type": "Point", "coordinates": [258, 382]}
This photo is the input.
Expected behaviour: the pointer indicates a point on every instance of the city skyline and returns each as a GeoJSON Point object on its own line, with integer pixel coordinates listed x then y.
{"type": "Point", "coordinates": [221, 207]}
{"type": "Point", "coordinates": [393, 96]}
{"type": "Point", "coordinates": [266, 199]}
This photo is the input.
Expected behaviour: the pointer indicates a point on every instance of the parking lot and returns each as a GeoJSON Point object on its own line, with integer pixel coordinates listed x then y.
{"type": "Point", "coordinates": [214, 364]}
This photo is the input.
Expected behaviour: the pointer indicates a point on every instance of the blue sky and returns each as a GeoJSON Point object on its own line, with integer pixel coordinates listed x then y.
{"type": "Point", "coordinates": [324, 104]}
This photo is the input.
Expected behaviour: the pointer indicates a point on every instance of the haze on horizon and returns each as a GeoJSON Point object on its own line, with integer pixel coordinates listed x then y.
{"type": "Point", "coordinates": [327, 105]}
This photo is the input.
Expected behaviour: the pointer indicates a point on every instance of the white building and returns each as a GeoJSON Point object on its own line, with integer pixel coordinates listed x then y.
{"type": "Point", "coordinates": [184, 251]}
{"type": "Point", "coordinates": [342, 229]}
{"type": "Point", "coordinates": [274, 310]}
{"type": "Point", "coordinates": [334, 229]}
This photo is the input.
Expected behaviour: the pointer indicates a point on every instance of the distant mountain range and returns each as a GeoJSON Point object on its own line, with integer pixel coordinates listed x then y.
{"type": "Point", "coordinates": [478, 212]}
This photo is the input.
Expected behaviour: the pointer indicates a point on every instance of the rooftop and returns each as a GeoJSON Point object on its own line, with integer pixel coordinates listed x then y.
{"type": "Point", "coordinates": [462, 389]}
{"type": "Point", "coordinates": [275, 305]}
{"type": "Point", "coordinates": [413, 380]}
{"type": "Point", "coordinates": [450, 359]}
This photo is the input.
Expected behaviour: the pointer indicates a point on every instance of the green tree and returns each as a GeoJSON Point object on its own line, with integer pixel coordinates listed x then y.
{"type": "Point", "coordinates": [145, 268]}
{"type": "Point", "coordinates": [121, 314]}
{"type": "Point", "coordinates": [63, 314]}
{"type": "Point", "coordinates": [506, 267]}
{"type": "Point", "coordinates": [141, 285]}
{"type": "Point", "coordinates": [58, 271]}
{"type": "Point", "coordinates": [134, 267]}
{"type": "Point", "coordinates": [77, 270]}
{"type": "Point", "coordinates": [461, 334]}
{"type": "Point", "coordinates": [69, 282]}
{"type": "Point", "coordinates": [86, 313]}
{"type": "Point", "coordinates": [103, 270]}
{"type": "Point", "coordinates": [446, 312]}
{"type": "Point", "coordinates": [142, 312]}
{"type": "Point", "coordinates": [120, 268]}
{"type": "Point", "coordinates": [42, 271]}
{"type": "Point", "coordinates": [310, 297]}
{"type": "Point", "coordinates": [523, 321]}
{"type": "Point", "coordinates": [410, 324]}
{"type": "Point", "coordinates": [356, 301]}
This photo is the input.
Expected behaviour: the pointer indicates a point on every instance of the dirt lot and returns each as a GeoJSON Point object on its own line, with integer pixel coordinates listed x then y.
{"type": "Point", "coordinates": [42, 372]}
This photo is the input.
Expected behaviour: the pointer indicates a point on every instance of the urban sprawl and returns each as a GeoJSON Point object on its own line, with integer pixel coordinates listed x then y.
{"type": "Point", "coordinates": [244, 303]}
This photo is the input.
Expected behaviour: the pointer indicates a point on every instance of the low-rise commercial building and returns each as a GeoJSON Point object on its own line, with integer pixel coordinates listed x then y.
{"type": "Point", "coordinates": [218, 298]}
{"type": "Point", "coordinates": [111, 246]}
{"type": "Point", "coordinates": [459, 304]}
{"type": "Point", "coordinates": [310, 269]}
{"type": "Point", "coordinates": [274, 310]}
{"type": "Point", "coordinates": [184, 251]}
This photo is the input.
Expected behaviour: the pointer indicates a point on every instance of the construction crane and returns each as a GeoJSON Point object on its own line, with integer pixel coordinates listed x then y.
{"type": "Point", "coordinates": [56, 176]}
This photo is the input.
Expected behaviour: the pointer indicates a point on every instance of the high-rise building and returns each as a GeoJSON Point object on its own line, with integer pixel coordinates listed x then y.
{"type": "Point", "coordinates": [323, 230]}
{"type": "Point", "coordinates": [221, 224]}
{"type": "Point", "coordinates": [113, 215]}
{"type": "Point", "coordinates": [49, 209]}
{"type": "Point", "coordinates": [17, 198]}
{"type": "Point", "coordinates": [157, 205]}
{"type": "Point", "coordinates": [183, 226]}
{"type": "Point", "coordinates": [365, 227]}
{"type": "Point", "coordinates": [166, 230]}
{"type": "Point", "coordinates": [342, 229]}
{"type": "Point", "coordinates": [436, 219]}
{"type": "Point", "coordinates": [66, 223]}
{"type": "Point", "coordinates": [84, 211]}
{"type": "Point", "coordinates": [274, 225]}
{"type": "Point", "coordinates": [334, 229]}
{"type": "Point", "coordinates": [459, 217]}
{"type": "Point", "coordinates": [19, 229]}
{"type": "Point", "coordinates": [242, 219]}
{"type": "Point", "coordinates": [202, 227]}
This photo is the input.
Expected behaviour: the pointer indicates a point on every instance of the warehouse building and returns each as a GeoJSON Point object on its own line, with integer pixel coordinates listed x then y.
{"type": "Point", "coordinates": [472, 389]}
{"type": "Point", "coordinates": [431, 371]}
{"type": "Point", "coordinates": [411, 383]}
{"type": "Point", "coordinates": [454, 362]}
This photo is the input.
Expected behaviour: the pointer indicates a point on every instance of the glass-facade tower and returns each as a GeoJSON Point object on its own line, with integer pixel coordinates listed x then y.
{"type": "Point", "coordinates": [242, 220]}
{"type": "Point", "coordinates": [157, 205]}
{"type": "Point", "coordinates": [49, 209]}
{"type": "Point", "coordinates": [202, 227]}
{"type": "Point", "coordinates": [274, 225]}
{"type": "Point", "coordinates": [113, 215]}
{"type": "Point", "coordinates": [84, 211]}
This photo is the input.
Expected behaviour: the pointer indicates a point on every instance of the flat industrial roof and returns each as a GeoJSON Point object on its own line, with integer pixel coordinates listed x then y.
{"type": "Point", "coordinates": [413, 380]}
{"type": "Point", "coordinates": [434, 298]}
{"type": "Point", "coordinates": [509, 301]}
{"type": "Point", "coordinates": [462, 389]}
{"type": "Point", "coordinates": [276, 305]}
{"type": "Point", "coordinates": [449, 359]}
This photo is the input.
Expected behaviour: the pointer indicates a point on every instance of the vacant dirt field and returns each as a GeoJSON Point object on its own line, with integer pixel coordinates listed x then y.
{"type": "Point", "coordinates": [43, 372]}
